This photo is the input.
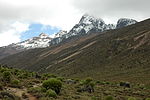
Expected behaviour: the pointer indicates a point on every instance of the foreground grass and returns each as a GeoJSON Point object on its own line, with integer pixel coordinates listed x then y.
{"type": "Point", "coordinates": [18, 84]}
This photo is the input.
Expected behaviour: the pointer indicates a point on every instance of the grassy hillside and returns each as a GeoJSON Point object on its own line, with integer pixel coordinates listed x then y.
{"type": "Point", "coordinates": [116, 55]}
{"type": "Point", "coordinates": [18, 84]}
{"type": "Point", "coordinates": [6, 51]}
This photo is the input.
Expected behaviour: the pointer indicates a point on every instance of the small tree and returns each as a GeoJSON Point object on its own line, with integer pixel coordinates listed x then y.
{"type": "Point", "coordinates": [53, 84]}
{"type": "Point", "coordinates": [147, 99]}
{"type": "Point", "coordinates": [51, 93]}
{"type": "Point", "coordinates": [15, 82]}
{"type": "Point", "coordinates": [109, 98]}
{"type": "Point", "coordinates": [131, 98]}
{"type": "Point", "coordinates": [7, 76]}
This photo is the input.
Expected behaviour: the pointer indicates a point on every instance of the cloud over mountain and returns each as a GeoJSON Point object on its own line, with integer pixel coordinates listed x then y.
{"type": "Point", "coordinates": [65, 13]}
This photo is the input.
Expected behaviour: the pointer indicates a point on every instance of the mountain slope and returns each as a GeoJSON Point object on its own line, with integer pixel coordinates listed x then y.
{"type": "Point", "coordinates": [8, 50]}
{"type": "Point", "coordinates": [120, 54]}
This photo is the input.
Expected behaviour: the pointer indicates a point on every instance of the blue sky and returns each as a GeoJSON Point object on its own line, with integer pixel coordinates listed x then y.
{"type": "Point", "coordinates": [36, 28]}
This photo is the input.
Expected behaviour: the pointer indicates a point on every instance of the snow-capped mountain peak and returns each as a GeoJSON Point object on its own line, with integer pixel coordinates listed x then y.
{"type": "Point", "coordinates": [43, 35]}
{"type": "Point", "coordinates": [41, 41]}
{"type": "Point", "coordinates": [122, 22]}
{"type": "Point", "coordinates": [88, 19]}
{"type": "Point", "coordinates": [60, 33]}
{"type": "Point", "coordinates": [87, 24]}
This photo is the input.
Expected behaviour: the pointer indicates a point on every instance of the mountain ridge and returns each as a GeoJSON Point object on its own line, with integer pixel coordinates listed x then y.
{"type": "Point", "coordinates": [88, 24]}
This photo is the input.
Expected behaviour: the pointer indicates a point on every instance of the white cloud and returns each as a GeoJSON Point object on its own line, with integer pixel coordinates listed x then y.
{"type": "Point", "coordinates": [13, 34]}
{"type": "Point", "coordinates": [57, 13]}
{"type": "Point", "coordinates": [64, 14]}
{"type": "Point", "coordinates": [20, 27]}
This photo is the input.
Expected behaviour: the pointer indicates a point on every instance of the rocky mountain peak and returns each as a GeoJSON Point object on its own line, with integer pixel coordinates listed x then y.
{"type": "Point", "coordinates": [88, 19]}
{"type": "Point", "coordinates": [60, 33]}
{"type": "Point", "coordinates": [122, 22]}
{"type": "Point", "coordinates": [87, 24]}
{"type": "Point", "coordinates": [41, 41]}
{"type": "Point", "coordinates": [43, 35]}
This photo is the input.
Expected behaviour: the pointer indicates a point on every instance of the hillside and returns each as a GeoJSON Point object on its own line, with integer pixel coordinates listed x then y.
{"type": "Point", "coordinates": [6, 51]}
{"type": "Point", "coordinates": [120, 54]}
{"type": "Point", "coordinates": [16, 84]}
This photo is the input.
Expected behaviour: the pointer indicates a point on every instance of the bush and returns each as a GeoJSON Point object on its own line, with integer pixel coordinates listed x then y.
{"type": "Point", "coordinates": [23, 76]}
{"type": "Point", "coordinates": [53, 84]}
{"type": "Point", "coordinates": [7, 76]}
{"type": "Point", "coordinates": [43, 89]}
{"type": "Point", "coordinates": [131, 98]}
{"type": "Point", "coordinates": [93, 98]}
{"type": "Point", "coordinates": [51, 93]}
{"type": "Point", "coordinates": [1, 87]}
{"type": "Point", "coordinates": [15, 82]}
{"type": "Point", "coordinates": [125, 84]}
{"type": "Point", "coordinates": [34, 90]}
{"type": "Point", "coordinates": [109, 98]}
{"type": "Point", "coordinates": [60, 78]}
{"type": "Point", "coordinates": [47, 76]}
{"type": "Point", "coordinates": [7, 96]}
{"type": "Point", "coordinates": [100, 82]}
{"type": "Point", "coordinates": [147, 99]}
{"type": "Point", "coordinates": [87, 85]}
{"type": "Point", "coordinates": [45, 98]}
{"type": "Point", "coordinates": [24, 96]}
{"type": "Point", "coordinates": [88, 80]}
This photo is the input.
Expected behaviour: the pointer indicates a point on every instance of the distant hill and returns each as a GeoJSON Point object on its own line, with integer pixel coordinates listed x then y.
{"type": "Point", "coordinates": [119, 54]}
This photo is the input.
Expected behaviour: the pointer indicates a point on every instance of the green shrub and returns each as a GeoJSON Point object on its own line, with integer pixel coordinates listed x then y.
{"type": "Point", "coordinates": [51, 93]}
{"type": "Point", "coordinates": [147, 99]}
{"type": "Point", "coordinates": [98, 82]}
{"type": "Point", "coordinates": [34, 89]}
{"type": "Point", "coordinates": [47, 76]}
{"type": "Point", "coordinates": [109, 98]}
{"type": "Point", "coordinates": [43, 89]}
{"type": "Point", "coordinates": [15, 82]}
{"type": "Point", "coordinates": [88, 80]}
{"type": "Point", "coordinates": [91, 84]}
{"type": "Point", "coordinates": [93, 98]}
{"type": "Point", "coordinates": [45, 98]}
{"type": "Point", "coordinates": [53, 84]}
{"type": "Point", "coordinates": [7, 96]}
{"type": "Point", "coordinates": [7, 76]}
{"type": "Point", "coordinates": [131, 98]}
{"type": "Point", "coordinates": [24, 96]}
{"type": "Point", "coordinates": [86, 85]}
{"type": "Point", "coordinates": [60, 78]}
{"type": "Point", "coordinates": [1, 87]}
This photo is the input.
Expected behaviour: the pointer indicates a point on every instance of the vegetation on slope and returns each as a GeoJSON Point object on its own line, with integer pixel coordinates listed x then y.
{"type": "Point", "coordinates": [18, 84]}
